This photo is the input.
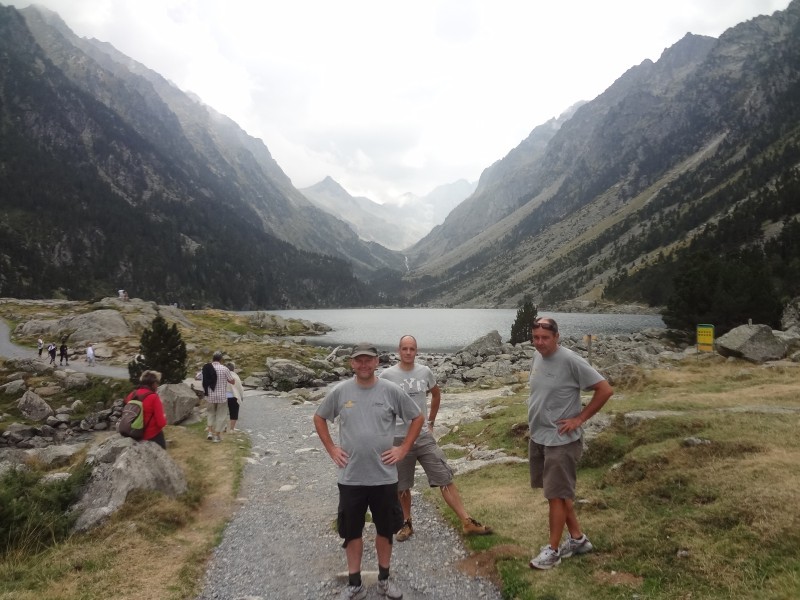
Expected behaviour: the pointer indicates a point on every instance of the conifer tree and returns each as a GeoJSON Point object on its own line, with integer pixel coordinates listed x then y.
{"type": "Point", "coordinates": [161, 349]}
{"type": "Point", "coordinates": [521, 328]}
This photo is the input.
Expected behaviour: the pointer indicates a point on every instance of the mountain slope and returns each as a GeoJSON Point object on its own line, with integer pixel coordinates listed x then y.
{"type": "Point", "coordinates": [111, 177]}
{"type": "Point", "coordinates": [635, 172]}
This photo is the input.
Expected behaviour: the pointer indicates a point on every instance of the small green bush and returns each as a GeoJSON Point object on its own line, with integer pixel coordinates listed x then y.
{"type": "Point", "coordinates": [34, 514]}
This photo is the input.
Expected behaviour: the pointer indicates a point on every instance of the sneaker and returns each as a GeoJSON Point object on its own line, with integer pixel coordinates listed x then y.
{"type": "Point", "coordinates": [354, 592]}
{"type": "Point", "coordinates": [472, 527]}
{"type": "Point", "coordinates": [209, 437]}
{"type": "Point", "coordinates": [388, 589]}
{"type": "Point", "coordinates": [406, 531]}
{"type": "Point", "coordinates": [547, 559]}
{"type": "Point", "coordinates": [216, 439]}
{"type": "Point", "coordinates": [571, 546]}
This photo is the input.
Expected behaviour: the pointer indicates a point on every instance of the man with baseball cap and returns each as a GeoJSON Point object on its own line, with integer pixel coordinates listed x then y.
{"type": "Point", "coordinates": [367, 408]}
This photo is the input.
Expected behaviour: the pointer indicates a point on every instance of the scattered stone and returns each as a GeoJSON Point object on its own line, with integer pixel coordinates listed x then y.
{"type": "Point", "coordinates": [691, 442]}
{"type": "Point", "coordinates": [33, 407]}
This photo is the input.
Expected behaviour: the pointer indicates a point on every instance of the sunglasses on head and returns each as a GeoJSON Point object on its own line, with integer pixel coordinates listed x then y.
{"type": "Point", "coordinates": [547, 326]}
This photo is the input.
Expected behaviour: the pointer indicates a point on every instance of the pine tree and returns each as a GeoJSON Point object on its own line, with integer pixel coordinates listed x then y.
{"type": "Point", "coordinates": [161, 349]}
{"type": "Point", "coordinates": [521, 328]}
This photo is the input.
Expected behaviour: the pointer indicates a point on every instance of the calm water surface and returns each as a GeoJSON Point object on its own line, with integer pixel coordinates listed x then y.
{"type": "Point", "coordinates": [449, 329]}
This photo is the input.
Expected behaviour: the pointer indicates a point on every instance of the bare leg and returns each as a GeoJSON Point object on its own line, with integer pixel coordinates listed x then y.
{"type": "Point", "coordinates": [572, 520]}
{"type": "Point", "coordinates": [353, 551]}
{"type": "Point", "coordinates": [383, 548]}
{"type": "Point", "coordinates": [453, 499]}
{"type": "Point", "coordinates": [558, 518]}
{"type": "Point", "coordinates": [405, 503]}
{"type": "Point", "coordinates": [233, 425]}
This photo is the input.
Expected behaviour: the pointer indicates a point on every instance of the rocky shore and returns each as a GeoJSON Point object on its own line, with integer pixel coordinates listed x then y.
{"type": "Point", "coordinates": [486, 363]}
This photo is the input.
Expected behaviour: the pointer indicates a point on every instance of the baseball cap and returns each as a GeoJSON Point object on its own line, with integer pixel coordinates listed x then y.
{"type": "Point", "coordinates": [364, 349]}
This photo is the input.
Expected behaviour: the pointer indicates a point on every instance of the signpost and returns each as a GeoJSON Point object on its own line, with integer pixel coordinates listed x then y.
{"type": "Point", "coordinates": [705, 338]}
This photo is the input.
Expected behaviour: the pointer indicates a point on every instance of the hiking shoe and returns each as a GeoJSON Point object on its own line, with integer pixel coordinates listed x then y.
{"type": "Point", "coordinates": [547, 559]}
{"type": "Point", "coordinates": [572, 546]}
{"type": "Point", "coordinates": [388, 589]}
{"type": "Point", "coordinates": [209, 437]}
{"type": "Point", "coordinates": [406, 531]}
{"type": "Point", "coordinates": [472, 527]}
{"type": "Point", "coordinates": [216, 439]}
{"type": "Point", "coordinates": [354, 592]}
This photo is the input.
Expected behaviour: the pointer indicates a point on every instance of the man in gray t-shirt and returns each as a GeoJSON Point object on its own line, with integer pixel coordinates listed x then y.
{"type": "Point", "coordinates": [555, 416]}
{"type": "Point", "coordinates": [418, 381]}
{"type": "Point", "coordinates": [367, 409]}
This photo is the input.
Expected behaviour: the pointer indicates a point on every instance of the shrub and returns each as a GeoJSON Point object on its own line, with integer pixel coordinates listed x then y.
{"type": "Point", "coordinates": [34, 514]}
{"type": "Point", "coordinates": [521, 328]}
{"type": "Point", "coordinates": [161, 349]}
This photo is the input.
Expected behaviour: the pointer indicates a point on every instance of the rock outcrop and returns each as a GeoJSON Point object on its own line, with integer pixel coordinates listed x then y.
{"type": "Point", "coordinates": [179, 401]}
{"type": "Point", "coordinates": [754, 343]}
{"type": "Point", "coordinates": [121, 466]}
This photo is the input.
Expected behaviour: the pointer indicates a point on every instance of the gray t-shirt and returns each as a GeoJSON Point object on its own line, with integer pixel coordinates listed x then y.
{"type": "Point", "coordinates": [366, 427]}
{"type": "Point", "coordinates": [556, 384]}
{"type": "Point", "coordinates": [416, 384]}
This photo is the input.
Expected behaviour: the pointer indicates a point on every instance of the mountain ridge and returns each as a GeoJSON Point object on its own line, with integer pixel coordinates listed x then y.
{"type": "Point", "coordinates": [396, 224]}
{"type": "Point", "coordinates": [658, 123]}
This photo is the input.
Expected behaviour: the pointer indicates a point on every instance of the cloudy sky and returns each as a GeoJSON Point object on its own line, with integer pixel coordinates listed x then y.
{"type": "Point", "coordinates": [395, 97]}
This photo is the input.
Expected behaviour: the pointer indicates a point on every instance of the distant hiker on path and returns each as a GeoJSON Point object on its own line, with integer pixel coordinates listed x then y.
{"type": "Point", "coordinates": [63, 354]}
{"type": "Point", "coordinates": [214, 376]}
{"type": "Point", "coordinates": [367, 408]}
{"type": "Point", "coordinates": [90, 355]}
{"type": "Point", "coordinates": [555, 416]}
{"type": "Point", "coordinates": [40, 346]}
{"type": "Point", "coordinates": [416, 381]}
{"type": "Point", "coordinates": [51, 350]}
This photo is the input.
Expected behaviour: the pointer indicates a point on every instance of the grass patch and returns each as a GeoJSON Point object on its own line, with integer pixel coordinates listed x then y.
{"type": "Point", "coordinates": [668, 519]}
{"type": "Point", "coordinates": [125, 557]}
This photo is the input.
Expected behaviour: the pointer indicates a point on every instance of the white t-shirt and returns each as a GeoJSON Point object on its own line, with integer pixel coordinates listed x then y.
{"type": "Point", "coordinates": [556, 384]}
{"type": "Point", "coordinates": [416, 383]}
{"type": "Point", "coordinates": [366, 427]}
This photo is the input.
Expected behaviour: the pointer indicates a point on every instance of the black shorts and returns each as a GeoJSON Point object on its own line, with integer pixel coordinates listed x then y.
{"type": "Point", "coordinates": [383, 503]}
{"type": "Point", "coordinates": [233, 409]}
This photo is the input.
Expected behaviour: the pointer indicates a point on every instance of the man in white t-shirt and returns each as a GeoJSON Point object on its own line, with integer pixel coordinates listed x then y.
{"type": "Point", "coordinates": [417, 381]}
{"type": "Point", "coordinates": [367, 408]}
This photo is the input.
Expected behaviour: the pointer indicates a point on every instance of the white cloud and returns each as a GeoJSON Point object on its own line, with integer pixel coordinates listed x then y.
{"type": "Point", "coordinates": [389, 98]}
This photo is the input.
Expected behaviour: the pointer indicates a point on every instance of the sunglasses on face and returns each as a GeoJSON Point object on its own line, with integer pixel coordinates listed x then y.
{"type": "Point", "coordinates": [547, 326]}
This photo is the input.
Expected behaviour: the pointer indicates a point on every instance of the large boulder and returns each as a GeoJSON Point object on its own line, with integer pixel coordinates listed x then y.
{"type": "Point", "coordinates": [29, 365]}
{"type": "Point", "coordinates": [14, 387]}
{"type": "Point", "coordinates": [139, 314]}
{"type": "Point", "coordinates": [489, 344]}
{"type": "Point", "coordinates": [179, 400]}
{"type": "Point", "coordinates": [755, 343]}
{"type": "Point", "coordinates": [33, 407]}
{"type": "Point", "coordinates": [136, 466]}
{"type": "Point", "coordinates": [94, 326]}
{"type": "Point", "coordinates": [76, 381]}
{"type": "Point", "coordinates": [281, 370]}
{"type": "Point", "coordinates": [57, 455]}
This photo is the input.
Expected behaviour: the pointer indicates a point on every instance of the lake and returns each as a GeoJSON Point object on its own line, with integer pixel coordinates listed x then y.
{"type": "Point", "coordinates": [450, 329]}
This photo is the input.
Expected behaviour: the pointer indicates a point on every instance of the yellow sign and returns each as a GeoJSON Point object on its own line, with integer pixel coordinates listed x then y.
{"type": "Point", "coordinates": [705, 338]}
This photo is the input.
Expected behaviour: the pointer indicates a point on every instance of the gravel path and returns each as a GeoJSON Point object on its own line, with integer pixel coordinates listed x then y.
{"type": "Point", "coordinates": [11, 350]}
{"type": "Point", "coordinates": [282, 544]}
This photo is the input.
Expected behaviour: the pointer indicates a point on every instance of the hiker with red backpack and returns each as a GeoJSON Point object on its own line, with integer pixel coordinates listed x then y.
{"type": "Point", "coordinates": [152, 409]}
